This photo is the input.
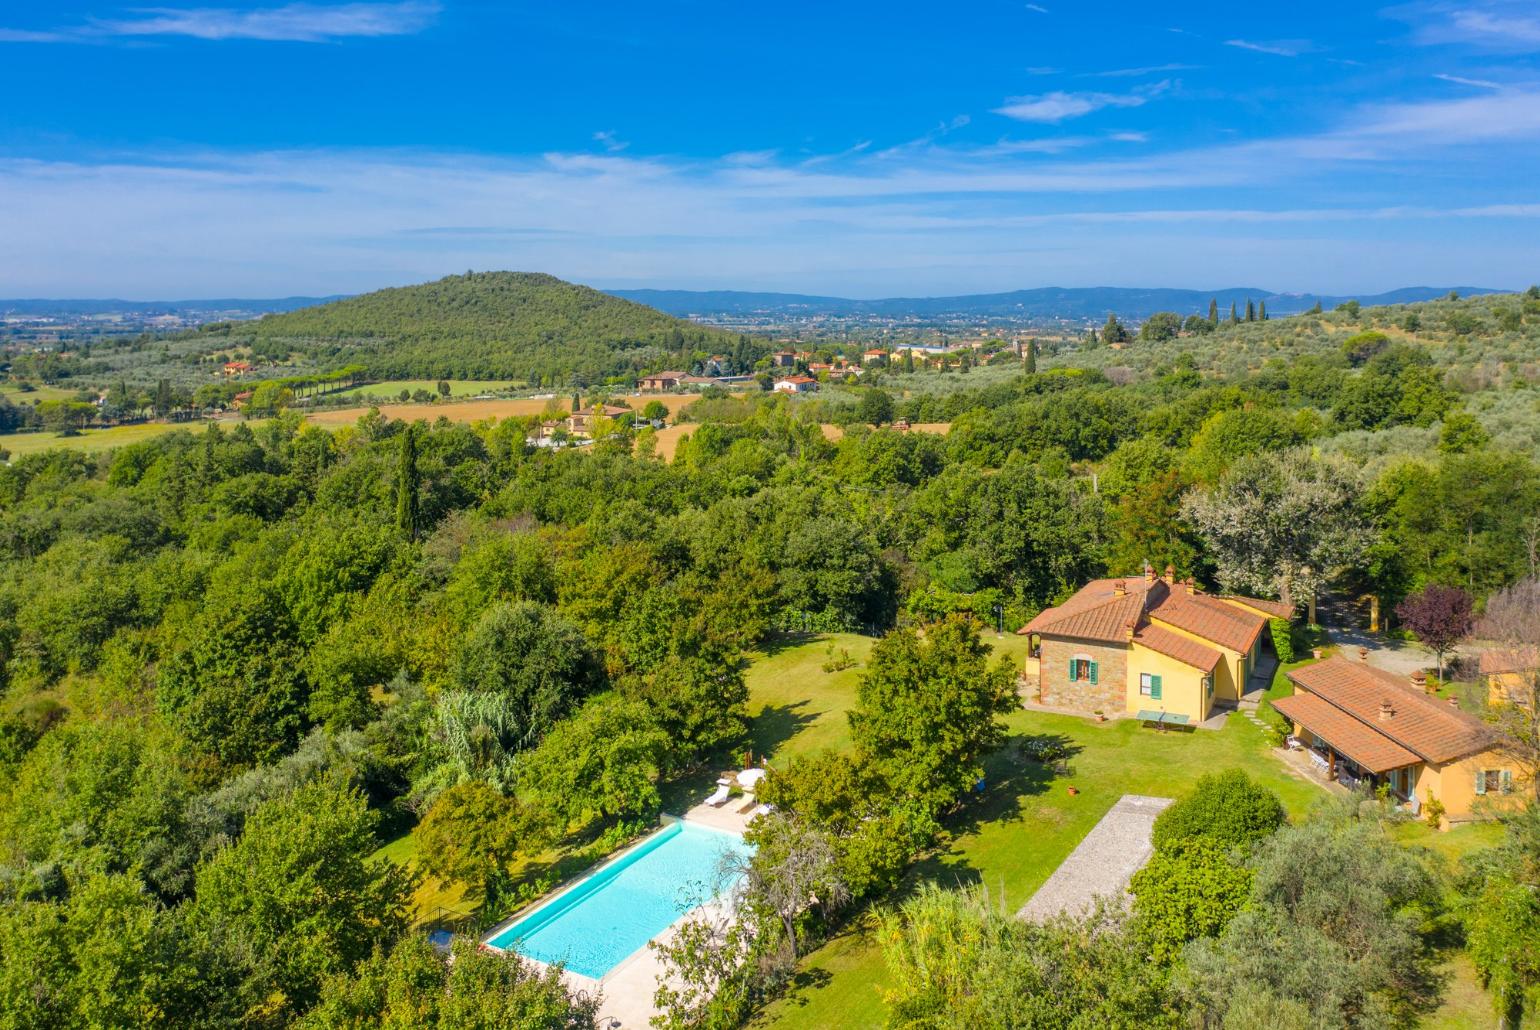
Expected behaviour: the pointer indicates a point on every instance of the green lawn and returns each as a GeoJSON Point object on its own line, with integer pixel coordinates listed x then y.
{"type": "Point", "coordinates": [1017, 832]}
{"type": "Point", "coordinates": [392, 388]}
{"type": "Point", "coordinates": [39, 392]}
{"type": "Point", "coordinates": [91, 440]}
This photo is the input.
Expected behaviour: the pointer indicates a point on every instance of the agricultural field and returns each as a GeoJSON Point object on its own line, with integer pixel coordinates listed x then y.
{"type": "Point", "coordinates": [89, 440]}
{"type": "Point", "coordinates": [391, 390]}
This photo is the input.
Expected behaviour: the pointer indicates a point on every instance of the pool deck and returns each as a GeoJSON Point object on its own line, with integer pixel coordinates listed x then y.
{"type": "Point", "coordinates": [627, 989]}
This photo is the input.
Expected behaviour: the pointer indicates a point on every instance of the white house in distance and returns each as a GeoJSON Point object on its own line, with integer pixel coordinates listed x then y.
{"type": "Point", "coordinates": [797, 384]}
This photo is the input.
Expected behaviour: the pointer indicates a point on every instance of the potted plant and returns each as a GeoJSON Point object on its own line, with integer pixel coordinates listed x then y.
{"type": "Point", "coordinates": [1073, 790]}
{"type": "Point", "coordinates": [1315, 652]}
{"type": "Point", "coordinates": [1100, 715]}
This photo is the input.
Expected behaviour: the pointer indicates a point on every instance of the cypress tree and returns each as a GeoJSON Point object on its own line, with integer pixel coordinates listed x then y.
{"type": "Point", "coordinates": [1031, 358]}
{"type": "Point", "coordinates": [406, 485]}
{"type": "Point", "coordinates": [1262, 312]}
{"type": "Point", "coordinates": [1213, 311]}
{"type": "Point", "coordinates": [1251, 310]}
{"type": "Point", "coordinates": [577, 401]}
{"type": "Point", "coordinates": [163, 397]}
{"type": "Point", "coordinates": [1233, 317]}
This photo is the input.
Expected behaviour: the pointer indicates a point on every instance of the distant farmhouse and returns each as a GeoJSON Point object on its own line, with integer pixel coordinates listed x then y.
{"type": "Point", "coordinates": [662, 381]}
{"type": "Point", "coordinates": [797, 384]}
{"type": "Point", "coordinates": [1147, 646]}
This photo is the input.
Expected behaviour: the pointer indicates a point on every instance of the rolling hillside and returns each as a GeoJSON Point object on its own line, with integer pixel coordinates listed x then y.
{"type": "Point", "coordinates": [487, 325]}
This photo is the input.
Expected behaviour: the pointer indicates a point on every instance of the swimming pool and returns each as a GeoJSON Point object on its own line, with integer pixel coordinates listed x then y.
{"type": "Point", "coordinates": [611, 913]}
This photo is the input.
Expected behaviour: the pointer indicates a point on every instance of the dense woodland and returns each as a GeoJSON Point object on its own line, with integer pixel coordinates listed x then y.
{"type": "Point", "coordinates": [237, 661]}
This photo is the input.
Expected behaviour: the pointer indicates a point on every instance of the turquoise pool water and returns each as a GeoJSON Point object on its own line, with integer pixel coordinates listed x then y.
{"type": "Point", "coordinates": [600, 920]}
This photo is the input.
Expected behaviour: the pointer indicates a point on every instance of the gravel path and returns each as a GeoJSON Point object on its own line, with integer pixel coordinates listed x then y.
{"type": "Point", "coordinates": [1102, 864]}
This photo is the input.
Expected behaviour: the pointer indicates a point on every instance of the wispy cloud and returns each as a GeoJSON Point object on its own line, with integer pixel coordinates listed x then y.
{"type": "Point", "coordinates": [947, 209]}
{"type": "Point", "coordinates": [1129, 73]}
{"type": "Point", "coordinates": [1499, 25]}
{"type": "Point", "coordinates": [1059, 105]}
{"type": "Point", "coordinates": [1038, 8]}
{"type": "Point", "coordinates": [1460, 80]}
{"type": "Point", "coordinates": [297, 23]}
{"type": "Point", "coordinates": [609, 142]}
{"type": "Point", "coordinates": [1276, 47]}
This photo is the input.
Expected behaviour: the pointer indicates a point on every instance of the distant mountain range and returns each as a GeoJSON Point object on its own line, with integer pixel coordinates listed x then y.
{"type": "Point", "coordinates": [39, 308]}
{"type": "Point", "coordinates": [1046, 302]}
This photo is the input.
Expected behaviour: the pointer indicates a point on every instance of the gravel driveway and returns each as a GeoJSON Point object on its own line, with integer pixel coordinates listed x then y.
{"type": "Point", "coordinates": [1102, 864]}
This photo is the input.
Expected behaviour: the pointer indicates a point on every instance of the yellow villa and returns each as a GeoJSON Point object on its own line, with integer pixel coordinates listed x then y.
{"type": "Point", "coordinates": [1145, 646]}
{"type": "Point", "coordinates": [1367, 725]}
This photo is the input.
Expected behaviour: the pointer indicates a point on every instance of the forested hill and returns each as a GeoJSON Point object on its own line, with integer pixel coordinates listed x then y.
{"type": "Point", "coordinates": [485, 325]}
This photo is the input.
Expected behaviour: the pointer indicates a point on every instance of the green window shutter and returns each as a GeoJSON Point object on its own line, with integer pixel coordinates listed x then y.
{"type": "Point", "coordinates": [1074, 669]}
{"type": "Point", "coordinates": [1093, 672]}
{"type": "Point", "coordinates": [1155, 687]}
{"type": "Point", "coordinates": [1481, 782]}
{"type": "Point", "coordinates": [1507, 781]}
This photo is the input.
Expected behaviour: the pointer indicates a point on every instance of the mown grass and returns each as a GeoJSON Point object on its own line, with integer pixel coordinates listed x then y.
{"type": "Point", "coordinates": [89, 440]}
{"type": "Point", "coordinates": [38, 392]}
{"type": "Point", "coordinates": [391, 389]}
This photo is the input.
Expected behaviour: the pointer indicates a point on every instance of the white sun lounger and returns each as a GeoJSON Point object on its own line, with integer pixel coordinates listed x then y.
{"type": "Point", "coordinates": [718, 799]}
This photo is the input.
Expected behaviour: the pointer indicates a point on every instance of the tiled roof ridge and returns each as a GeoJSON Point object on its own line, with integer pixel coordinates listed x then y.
{"type": "Point", "coordinates": [1399, 693]}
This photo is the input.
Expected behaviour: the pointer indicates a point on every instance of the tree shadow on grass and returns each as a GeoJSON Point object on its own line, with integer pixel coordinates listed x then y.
{"type": "Point", "coordinates": [774, 643]}
{"type": "Point", "coordinates": [776, 724]}
{"type": "Point", "coordinates": [1025, 767]}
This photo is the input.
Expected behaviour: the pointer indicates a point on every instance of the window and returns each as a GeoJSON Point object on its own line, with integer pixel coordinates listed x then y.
{"type": "Point", "coordinates": [1208, 685]}
{"type": "Point", "coordinates": [1494, 781]}
{"type": "Point", "coordinates": [1149, 686]}
{"type": "Point", "coordinates": [1082, 668]}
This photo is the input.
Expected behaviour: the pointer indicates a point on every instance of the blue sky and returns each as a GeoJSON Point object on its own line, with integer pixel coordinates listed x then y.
{"type": "Point", "coordinates": [844, 148]}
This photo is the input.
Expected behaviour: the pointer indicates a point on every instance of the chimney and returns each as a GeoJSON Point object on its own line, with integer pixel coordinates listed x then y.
{"type": "Point", "coordinates": [1119, 588]}
{"type": "Point", "coordinates": [1454, 702]}
{"type": "Point", "coordinates": [1420, 681]}
{"type": "Point", "coordinates": [1363, 654]}
{"type": "Point", "coordinates": [1149, 573]}
{"type": "Point", "coordinates": [1170, 575]}
{"type": "Point", "coordinates": [1386, 711]}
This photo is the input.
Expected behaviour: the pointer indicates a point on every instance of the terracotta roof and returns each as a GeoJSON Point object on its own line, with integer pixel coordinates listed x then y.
{"type": "Point", "coordinates": [1369, 748]}
{"type": "Point", "coordinates": [1275, 609]}
{"type": "Point", "coordinates": [1509, 659]}
{"type": "Point", "coordinates": [665, 375]}
{"type": "Point", "coordinates": [1097, 611]}
{"type": "Point", "coordinates": [1211, 619]}
{"type": "Point", "coordinates": [1183, 649]}
{"type": "Point", "coordinates": [608, 410]}
{"type": "Point", "coordinates": [1432, 729]}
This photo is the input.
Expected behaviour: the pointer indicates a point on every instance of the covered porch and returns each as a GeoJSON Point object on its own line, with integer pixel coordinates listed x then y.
{"type": "Point", "coordinates": [1338, 748]}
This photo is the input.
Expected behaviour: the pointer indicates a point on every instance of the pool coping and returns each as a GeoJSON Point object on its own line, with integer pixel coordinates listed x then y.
{"type": "Point", "coordinates": [592, 986]}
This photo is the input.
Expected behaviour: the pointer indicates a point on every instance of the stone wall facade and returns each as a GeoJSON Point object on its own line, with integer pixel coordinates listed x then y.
{"type": "Point", "coordinates": [1107, 694]}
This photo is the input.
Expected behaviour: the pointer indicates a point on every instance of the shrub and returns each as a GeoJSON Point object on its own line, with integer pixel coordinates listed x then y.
{"type": "Point", "coordinates": [1044, 749]}
{"type": "Point", "coordinates": [1227, 807]}
{"type": "Point", "coordinates": [1283, 639]}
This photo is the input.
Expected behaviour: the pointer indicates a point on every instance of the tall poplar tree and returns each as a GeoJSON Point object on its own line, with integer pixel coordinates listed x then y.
{"type": "Point", "coordinates": [1213, 311]}
{"type": "Point", "coordinates": [1251, 310]}
{"type": "Point", "coordinates": [406, 485]}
